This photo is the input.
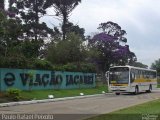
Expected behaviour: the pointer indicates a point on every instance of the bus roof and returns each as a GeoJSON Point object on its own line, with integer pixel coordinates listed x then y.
{"type": "Point", "coordinates": [139, 68]}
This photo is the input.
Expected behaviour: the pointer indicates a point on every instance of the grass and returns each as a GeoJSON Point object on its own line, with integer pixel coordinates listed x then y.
{"type": "Point", "coordinates": [158, 85]}
{"type": "Point", "coordinates": [133, 113]}
{"type": "Point", "coordinates": [43, 94]}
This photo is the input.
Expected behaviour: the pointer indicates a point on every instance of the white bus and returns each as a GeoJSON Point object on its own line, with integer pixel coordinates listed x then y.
{"type": "Point", "coordinates": [131, 79]}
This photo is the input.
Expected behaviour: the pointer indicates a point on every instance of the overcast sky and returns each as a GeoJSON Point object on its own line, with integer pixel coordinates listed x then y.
{"type": "Point", "coordinates": [140, 19]}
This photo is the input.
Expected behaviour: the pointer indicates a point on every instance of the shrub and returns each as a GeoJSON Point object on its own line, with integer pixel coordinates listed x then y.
{"type": "Point", "coordinates": [13, 62]}
{"type": "Point", "coordinates": [42, 64]}
{"type": "Point", "coordinates": [88, 67]}
{"type": "Point", "coordinates": [76, 67]}
{"type": "Point", "coordinates": [58, 68]}
{"type": "Point", "coordinates": [70, 67]}
{"type": "Point", "coordinates": [13, 94]}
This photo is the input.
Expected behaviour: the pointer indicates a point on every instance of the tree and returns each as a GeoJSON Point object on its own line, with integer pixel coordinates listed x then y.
{"type": "Point", "coordinates": [9, 31]}
{"type": "Point", "coordinates": [2, 5]}
{"type": "Point", "coordinates": [156, 66]}
{"type": "Point", "coordinates": [113, 29]}
{"type": "Point", "coordinates": [63, 9]}
{"type": "Point", "coordinates": [138, 64]}
{"type": "Point", "coordinates": [110, 49]}
{"type": "Point", "coordinates": [30, 12]}
{"type": "Point", "coordinates": [70, 27]}
{"type": "Point", "coordinates": [67, 51]}
{"type": "Point", "coordinates": [2, 33]}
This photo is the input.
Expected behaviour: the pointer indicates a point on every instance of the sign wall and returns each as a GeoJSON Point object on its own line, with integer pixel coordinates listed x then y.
{"type": "Point", "coordinates": [27, 79]}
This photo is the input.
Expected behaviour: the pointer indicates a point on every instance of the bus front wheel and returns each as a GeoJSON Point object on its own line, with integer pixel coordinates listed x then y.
{"type": "Point", "coordinates": [117, 93]}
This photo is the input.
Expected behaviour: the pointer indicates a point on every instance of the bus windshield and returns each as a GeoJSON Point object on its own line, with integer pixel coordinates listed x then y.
{"type": "Point", "coordinates": [119, 75]}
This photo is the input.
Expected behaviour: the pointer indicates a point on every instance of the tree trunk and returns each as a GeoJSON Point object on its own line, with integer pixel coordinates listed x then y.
{"type": "Point", "coordinates": [64, 25]}
{"type": "Point", "coordinates": [37, 21]}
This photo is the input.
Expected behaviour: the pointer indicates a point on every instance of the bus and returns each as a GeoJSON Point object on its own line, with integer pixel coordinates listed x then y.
{"type": "Point", "coordinates": [131, 79]}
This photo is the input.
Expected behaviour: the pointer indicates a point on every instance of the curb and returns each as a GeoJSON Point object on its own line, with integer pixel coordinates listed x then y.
{"type": "Point", "coordinates": [48, 100]}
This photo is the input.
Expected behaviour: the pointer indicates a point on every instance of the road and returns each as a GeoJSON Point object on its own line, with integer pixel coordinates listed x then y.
{"type": "Point", "coordinates": [77, 109]}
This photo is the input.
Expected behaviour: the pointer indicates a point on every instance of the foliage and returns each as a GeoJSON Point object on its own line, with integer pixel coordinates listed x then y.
{"type": "Point", "coordinates": [70, 50]}
{"type": "Point", "coordinates": [13, 94]}
{"type": "Point", "coordinates": [42, 64]}
{"type": "Point", "coordinates": [138, 64]}
{"type": "Point", "coordinates": [87, 67]}
{"type": "Point", "coordinates": [76, 67]}
{"type": "Point", "coordinates": [109, 45]}
{"type": "Point", "coordinates": [34, 32]}
{"type": "Point", "coordinates": [22, 32]}
{"type": "Point", "coordinates": [10, 29]}
{"type": "Point", "coordinates": [63, 9]}
{"type": "Point", "coordinates": [2, 5]}
{"type": "Point", "coordinates": [31, 48]}
{"type": "Point", "coordinates": [113, 29]}
{"type": "Point", "coordinates": [2, 31]}
{"type": "Point", "coordinates": [71, 28]}
{"type": "Point", "coordinates": [156, 66]}
{"type": "Point", "coordinates": [13, 62]}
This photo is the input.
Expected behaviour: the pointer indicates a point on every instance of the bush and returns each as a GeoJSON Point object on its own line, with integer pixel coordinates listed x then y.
{"type": "Point", "coordinates": [88, 67]}
{"type": "Point", "coordinates": [13, 94]}
{"type": "Point", "coordinates": [42, 64]}
{"type": "Point", "coordinates": [33, 63]}
{"type": "Point", "coordinates": [24, 63]}
{"type": "Point", "coordinates": [13, 62]}
{"type": "Point", "coordinates": [76, 67]}
{"type": "Point", "coordinates": [58, 68]}
{"type": "Point", "coordinates": [70, 67]}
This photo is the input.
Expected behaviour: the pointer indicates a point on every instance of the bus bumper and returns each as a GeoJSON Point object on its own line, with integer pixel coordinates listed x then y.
{"type": "Point", "coordinates": [121, 89]}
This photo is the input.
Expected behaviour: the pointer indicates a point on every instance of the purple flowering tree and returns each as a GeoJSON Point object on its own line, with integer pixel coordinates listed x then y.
{"type": "Point", "coordinates": [111, 47]}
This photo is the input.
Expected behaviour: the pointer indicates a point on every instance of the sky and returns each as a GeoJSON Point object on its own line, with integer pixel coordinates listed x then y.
{"type": "Point", "coordinates": [139, 18]}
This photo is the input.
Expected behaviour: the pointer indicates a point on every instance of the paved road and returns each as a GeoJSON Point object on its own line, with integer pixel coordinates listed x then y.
{"type": "Point", "coordinates": [78, 109]}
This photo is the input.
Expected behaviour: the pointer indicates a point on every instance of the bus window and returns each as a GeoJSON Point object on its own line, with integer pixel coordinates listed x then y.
{"type": "Point", "coordinates": [119, 75]}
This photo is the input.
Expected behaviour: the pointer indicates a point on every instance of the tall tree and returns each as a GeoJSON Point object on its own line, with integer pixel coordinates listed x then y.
{"type": "Point", "coordinates": [70, 27]}
{"type": "Point", "coordinates": [67, 51]}
{"type": "Point", "coordinates": [113, 29]}
{"type": "Point", "coordinates": [2, 33]}
{"type": "Point", "coordinates": [63, 9]}
{"type": "Point", "coordinates": [9, 31]}
{"type": "Point", "coordinates": [30, 12]}
{"type": "Point", "coordinates": [109, 47]}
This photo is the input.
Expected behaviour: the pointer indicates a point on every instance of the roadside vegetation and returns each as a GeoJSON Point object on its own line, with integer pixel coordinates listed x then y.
{"type": "Point", "coordinates": [148, 110]}
{"type": "Point", "coordinates": [43, 94]}
{"type": "Point", "coordinates": [17, 95]}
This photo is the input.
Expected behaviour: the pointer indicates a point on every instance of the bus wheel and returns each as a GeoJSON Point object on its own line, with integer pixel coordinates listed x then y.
{"type": "Point", "coordinates": [117, 93]}
{"type": "Point", "coordinates": [136, 90]}
{"type": "Point", "coordinates": [150, 89]}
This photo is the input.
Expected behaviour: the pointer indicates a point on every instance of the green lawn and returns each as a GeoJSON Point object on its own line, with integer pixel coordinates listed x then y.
{"type": "Point", "coordinates": [158, 85]}
{"type": "Point", "coordinates": [43, 94]}
{"type": "Point", "coordinates": [133, 113]}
